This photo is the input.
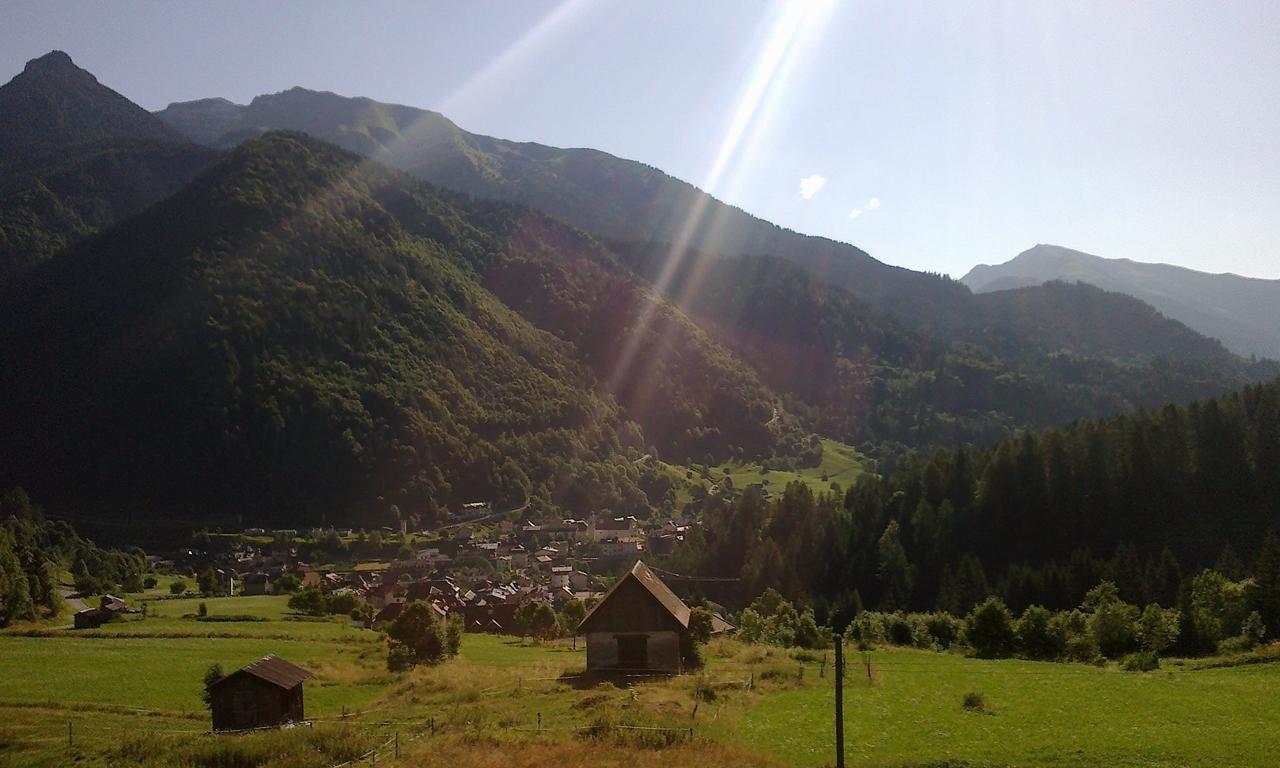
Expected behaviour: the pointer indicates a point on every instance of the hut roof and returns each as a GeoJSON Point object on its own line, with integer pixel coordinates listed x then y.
{"type": "Point", "coordinates": [272, 669]}
{"type": "Point", "coordinates": [642, 575]}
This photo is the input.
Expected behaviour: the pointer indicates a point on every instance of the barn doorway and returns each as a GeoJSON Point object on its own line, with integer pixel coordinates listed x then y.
{"type": "Point", "coordinates": [633, 651]}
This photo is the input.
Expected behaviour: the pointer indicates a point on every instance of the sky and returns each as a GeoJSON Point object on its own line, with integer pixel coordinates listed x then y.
{"type": "Point", "coordinates": [934, 135]}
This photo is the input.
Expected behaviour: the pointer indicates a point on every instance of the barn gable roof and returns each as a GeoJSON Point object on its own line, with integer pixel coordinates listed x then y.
{"type": "Point", "coordinates": [646, 578]}
{"type": "Point", "coordinates": [271, 669]}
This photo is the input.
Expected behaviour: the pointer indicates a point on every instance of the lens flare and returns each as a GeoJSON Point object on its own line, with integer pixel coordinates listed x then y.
{"type": "Point", "coordinates": [792, 28]}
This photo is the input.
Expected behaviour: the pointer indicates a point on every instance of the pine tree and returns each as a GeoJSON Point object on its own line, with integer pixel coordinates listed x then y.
{"type": "Point", "coordinates": [896, 574]}
{"type": "Point", "coordinates": [1265, 593]}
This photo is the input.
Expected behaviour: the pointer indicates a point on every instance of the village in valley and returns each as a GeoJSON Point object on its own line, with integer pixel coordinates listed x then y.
{"type": "Point", "coordinates": [474, 567]}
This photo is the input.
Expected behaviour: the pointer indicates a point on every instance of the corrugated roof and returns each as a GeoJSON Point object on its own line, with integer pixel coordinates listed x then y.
{"type": "Point", "coordinates": [274, 670]}
{"type": "Point", "coordinates": [655, 586]}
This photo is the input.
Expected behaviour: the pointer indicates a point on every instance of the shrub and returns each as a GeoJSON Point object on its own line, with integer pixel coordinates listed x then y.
{"type": "Point", "coordinates": [202, 610]}
{"type": "Point", "coordinates": [1115, 628]}
{"type": "Point", "coordinates": [453, 629]}
{"type": "Point", "coordinates": [399, 658]}
{"type": "Point", "coordinates": [287, 584]}
{"type": "Point", "coordinates": [750, 626]}
{"type": "Point", "coordinates": [868, 629]}
{"type": "Point", "coordinates": [899, 630]}
{"type": "Point", "coordinates": [344, 602]}
{"type": "Point", "coordinates": [974, 702]}
{"type": "Point", "coordinates": [1216, 607]}
{"type": "Point", "coordinates": [943, 628]}
{"type": "Point", "coordinates": [150, 582]}
{"type": "Point", "coordinates": [420, 633]}
{"type": "Point", "coordinates": [211, 675]}
{"type": "Point", "coordinates": [691, 653]}
{"type": "Point", "coordinates": [1252, 629]}
{"type": "Point", "coordinates": [177, 587]}
{"type": "Point", "coordinates": [1039, 636]}
{"type": "Point", "coordinates": [1157, 628]}
{"type": "Point", "coordinates": [700, 625]}
{"type": "Point", "coordinates": [1142, 661]}
{"type": "Point", "coordinates": [1082, 648]}
{"type": "Point", "coordinates": [989, 629]}
{"type": "Point", "coordinates": [807, 634]}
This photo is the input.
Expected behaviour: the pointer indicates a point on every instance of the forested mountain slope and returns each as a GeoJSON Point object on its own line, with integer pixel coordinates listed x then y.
{"type": "Point", "coordinates": [300, 334]}
{"type": "Point", "coordinates": [46, 206]}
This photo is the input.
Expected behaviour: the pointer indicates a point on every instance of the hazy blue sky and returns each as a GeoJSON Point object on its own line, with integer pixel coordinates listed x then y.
{"type": "Point", "coordinates": [963, 132]}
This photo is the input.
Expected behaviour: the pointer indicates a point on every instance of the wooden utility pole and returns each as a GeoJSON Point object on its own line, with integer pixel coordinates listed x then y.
{"type": "Point", "coordinates": [839, 700]}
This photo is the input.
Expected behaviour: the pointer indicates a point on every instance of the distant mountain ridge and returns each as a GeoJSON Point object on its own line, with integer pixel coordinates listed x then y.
{"type": "Point", "coordinates": [1243, 312]}
{"type": "Point", "coordinates": [612, 197]}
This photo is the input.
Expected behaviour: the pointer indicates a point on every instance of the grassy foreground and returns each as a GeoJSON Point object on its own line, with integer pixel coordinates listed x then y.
{"type": "Point", "coordinates": [132, 699]}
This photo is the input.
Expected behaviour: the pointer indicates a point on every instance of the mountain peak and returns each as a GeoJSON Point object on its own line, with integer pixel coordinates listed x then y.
{"type": "Point", "coordinates": [54, 105]}
{"type": "Point", "coordinates": [53, 61]}
{"type": "Point", "coordinates": [57, 66]}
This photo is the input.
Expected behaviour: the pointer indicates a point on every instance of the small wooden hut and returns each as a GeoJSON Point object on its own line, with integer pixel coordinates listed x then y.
{"type": "Point", "coordinates": [639, 626]}
{"type": "Point", "coordinates": [263, 694]}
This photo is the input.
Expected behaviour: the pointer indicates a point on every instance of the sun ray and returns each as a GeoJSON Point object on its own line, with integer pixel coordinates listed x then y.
{"type": "Point", "coordinates": [792, 23]}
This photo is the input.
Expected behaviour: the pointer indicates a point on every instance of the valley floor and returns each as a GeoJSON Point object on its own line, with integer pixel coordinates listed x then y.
{"type": "Point", "coordinates": [128, 695]}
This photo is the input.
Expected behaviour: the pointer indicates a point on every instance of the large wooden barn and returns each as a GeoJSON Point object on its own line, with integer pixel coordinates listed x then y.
{"type": "Point", "coordinates": [263, 694]}
{"type": "Point", "coordinates": [639, 626]}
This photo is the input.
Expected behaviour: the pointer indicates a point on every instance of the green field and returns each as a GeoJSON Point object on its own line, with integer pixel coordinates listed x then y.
{"type": "Point", "coordinates": [487, 705]}
{"type": "Point", "coordinates": [840, 464]}
{"type": "Point", "coordinates": [1041, 714]}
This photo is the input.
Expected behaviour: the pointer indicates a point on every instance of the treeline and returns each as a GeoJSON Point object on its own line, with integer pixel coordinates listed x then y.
{"type": "Point", "coordinates": [34, 553]}
{"type": "Point", "coordinates": [1145, 501]}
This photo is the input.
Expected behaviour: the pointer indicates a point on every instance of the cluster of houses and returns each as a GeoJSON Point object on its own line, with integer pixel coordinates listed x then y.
{"type": "Point", "coordinates": [483, 578]}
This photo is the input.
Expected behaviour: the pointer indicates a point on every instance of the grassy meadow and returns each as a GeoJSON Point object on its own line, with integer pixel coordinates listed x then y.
{"type": "Point", "coordinates": [840, 464]}
{"type": "Point", "coordinates": [131, 696]}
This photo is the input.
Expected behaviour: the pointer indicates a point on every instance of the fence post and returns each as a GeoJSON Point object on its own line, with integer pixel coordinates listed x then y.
{"type": "Point", "coordinates": [539, 722]}
{"type": "Point", "coordinates": [839, 641]}
{"type": "Point", "coordinates": [397, 745]}
{"type": "Point", "coordinates": [867, 657]}
{"type": "Point", "coordinates": [70, 742]}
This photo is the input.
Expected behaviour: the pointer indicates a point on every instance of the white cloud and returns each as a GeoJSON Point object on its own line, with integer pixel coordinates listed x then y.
{"type": "Point", "coordinates": [872, 204]}
{"type": "Point", "coordinates": [812, 185]}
